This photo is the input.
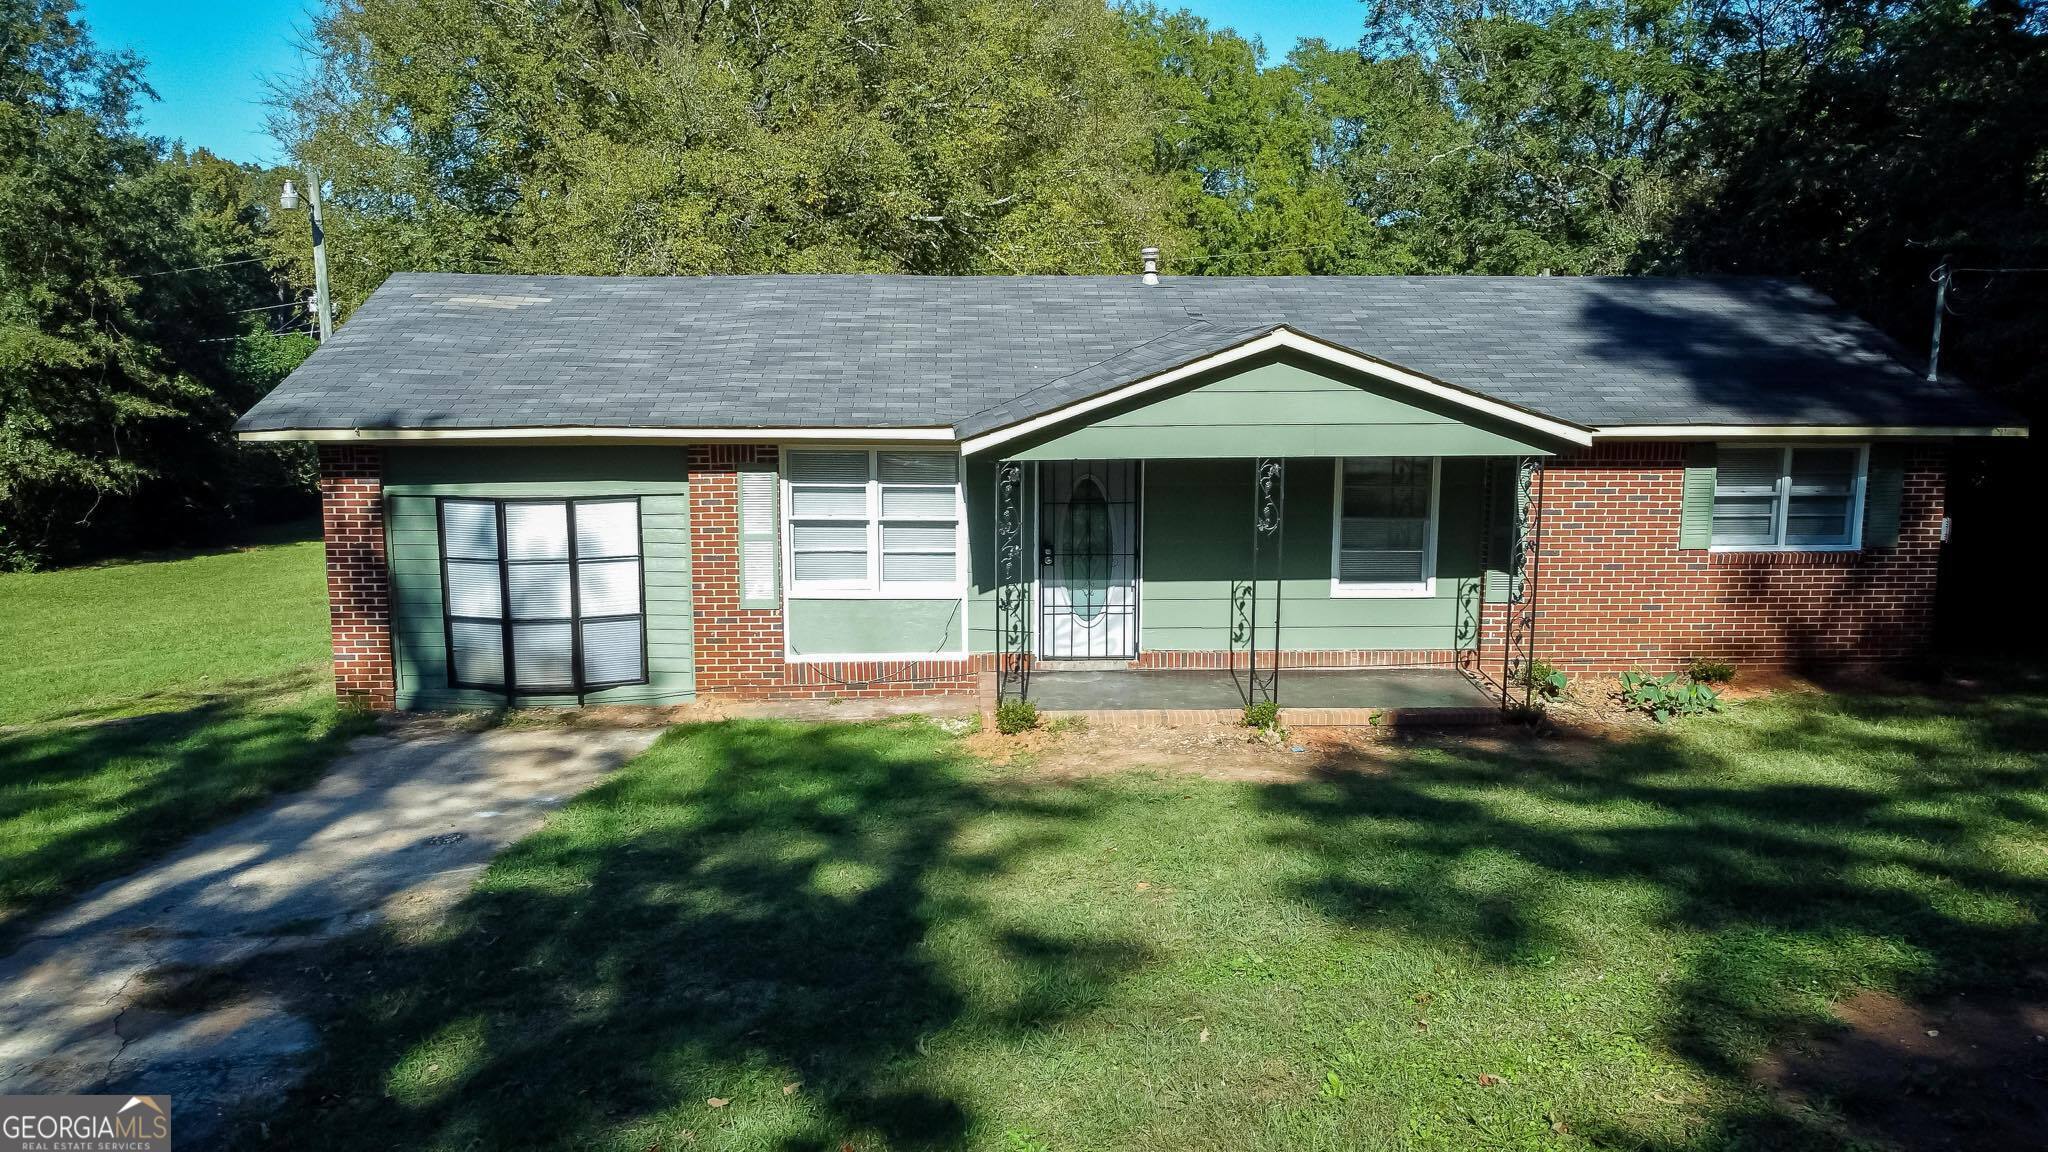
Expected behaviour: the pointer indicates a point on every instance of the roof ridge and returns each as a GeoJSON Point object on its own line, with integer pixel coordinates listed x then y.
{"type": "Point", "coordinates": [1194, 322]}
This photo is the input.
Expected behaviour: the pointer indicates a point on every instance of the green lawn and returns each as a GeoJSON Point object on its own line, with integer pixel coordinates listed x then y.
{"type": "Point", "coordinates": [118, 639]}
{"type": "Point", "coordinates": [142, 702]}
{"type": "Point", "coordinates": [937, 953]}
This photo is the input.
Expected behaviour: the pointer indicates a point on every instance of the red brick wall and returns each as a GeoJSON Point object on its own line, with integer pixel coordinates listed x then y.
{"type": "Point", "coordinates": [740, 650]}
{"type": "Point", "coordinates": [1615, 591]}
{"type": "Point", "coordinates": [358, 583]}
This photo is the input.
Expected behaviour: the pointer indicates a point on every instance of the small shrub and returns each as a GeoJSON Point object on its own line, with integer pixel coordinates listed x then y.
{"type": "Point", "coordinates": [1666, 696]}
{"type": "Point", "coordinates": [1263, 715]}
{"type": "Point", "coordinates": [1014, 716]}
{"type": "Point", "coordinates": [1546, 681]}
{"type": "Point", "coordinates": [1068, 724]}
{"type": "Point", "coordinates": [1705, 671]}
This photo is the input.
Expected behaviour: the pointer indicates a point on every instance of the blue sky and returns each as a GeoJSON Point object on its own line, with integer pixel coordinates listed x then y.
{"type": "Point", "coordinates": [209, 61]}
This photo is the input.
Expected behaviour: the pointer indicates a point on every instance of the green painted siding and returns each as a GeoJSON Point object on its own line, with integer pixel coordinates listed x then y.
{"type": "Point", "coordinates": [1284, 408]}
{"type": "Point", "coordinates": [1197, 539]}
{"type": "Point", "coordinates": [413, 477]}
{"type": "Point", "coordinates": [873, 627]}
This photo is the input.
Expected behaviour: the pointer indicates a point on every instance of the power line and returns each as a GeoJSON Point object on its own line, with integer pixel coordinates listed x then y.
{"type": "Point", "coordinates": [269, 307]}
{"type": "Point", "coordinates": [252, 336]}
{"type": "Point", "coordinates": [196, 268]}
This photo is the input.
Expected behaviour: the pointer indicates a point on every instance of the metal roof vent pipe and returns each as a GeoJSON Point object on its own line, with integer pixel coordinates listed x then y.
{"type": "Point", "coordinates": [1151, 258]}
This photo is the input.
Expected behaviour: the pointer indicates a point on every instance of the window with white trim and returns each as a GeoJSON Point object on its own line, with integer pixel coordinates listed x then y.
{"type": "Point", "coordinates": [867, 521]}
{"type": "Point", "coordinates": [543, 596]}
{"type": "Point", "coordinates": [1385, 528]}
{"type": "Point", "coordinates": [1805, 497]}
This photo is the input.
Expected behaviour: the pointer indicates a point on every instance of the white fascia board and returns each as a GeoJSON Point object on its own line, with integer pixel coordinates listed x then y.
{"type": "Point", "coordinates": [599, 435]}
{"type": "Point", "coordinates": [1794, 431]}
{"type": "Point", "coordinates": [1289, 340]}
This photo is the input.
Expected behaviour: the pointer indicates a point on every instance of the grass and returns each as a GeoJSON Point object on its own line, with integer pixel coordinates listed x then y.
{"type": "Point", "coordinates": [143, 702]}
{"type": "Point", "coordinates": [855, 936]}
{"type": "Point", "coordinates": [120, 639]}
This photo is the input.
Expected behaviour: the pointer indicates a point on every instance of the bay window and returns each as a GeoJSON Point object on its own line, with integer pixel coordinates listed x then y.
{"type": "Point", "coordinates": [1386, 526]}
{"type": "Point", "coordinates": [1797, 497]}
{"type": "Point", "coordinates": [878, 522]}
{"type": "Point", "coordinates": [543, 596]}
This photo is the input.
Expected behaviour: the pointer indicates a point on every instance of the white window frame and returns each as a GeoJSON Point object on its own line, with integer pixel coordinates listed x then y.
{"type": "Point", "coordinates": [872, 586]}
{"type": "Point", "coordinates": [1405, 590]}
{"type": "Point", "coordinates": [1857, 490]}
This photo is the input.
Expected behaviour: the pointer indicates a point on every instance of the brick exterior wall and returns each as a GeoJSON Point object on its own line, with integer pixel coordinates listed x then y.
{"type": "Point", "coordinates": [358, 581]}
{"type": "Point", "coordinates": [740, 650]}
{"type": "Point", "coordinates": [1615, 591]}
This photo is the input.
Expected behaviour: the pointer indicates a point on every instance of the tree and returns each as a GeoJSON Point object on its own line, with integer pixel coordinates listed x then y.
{"type": "Point", "coordinates": [116, 379]}
{"type": "Point", "coordinates": [600, 136]}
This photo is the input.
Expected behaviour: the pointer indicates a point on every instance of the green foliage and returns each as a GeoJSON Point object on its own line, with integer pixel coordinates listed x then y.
{"type": "Point", "coordinates": [1707, 671]}
{"type": "Point", "coordinates": [948, 136]}
{"type": "Point", "coordinates": [1014, 716]}
{"type": "Point", "coordinates": [1263, 715]}
{"type": "Point", "coordinates": [1547, 682]}
{"type": "Point", "coordinates": [117, 381]}
{"type": "Point", "coordinates": [1666, 696]}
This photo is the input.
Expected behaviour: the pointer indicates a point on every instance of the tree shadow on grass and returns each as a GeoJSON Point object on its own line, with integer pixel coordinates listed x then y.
{"type": "Point", "coordinates": [748, 905]}
{"type": "Point", "coordinates": [1803, 848]}
{"type": "Point", "coordinates": [85, 803]}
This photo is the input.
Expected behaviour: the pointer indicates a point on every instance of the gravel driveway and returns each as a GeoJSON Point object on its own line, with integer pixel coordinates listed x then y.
{"type": "Point", "coordinates": [401, 826]}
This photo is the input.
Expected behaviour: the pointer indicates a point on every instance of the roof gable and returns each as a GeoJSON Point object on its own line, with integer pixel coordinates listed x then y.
{"type": "Point", "coordinates": [1279, 393]}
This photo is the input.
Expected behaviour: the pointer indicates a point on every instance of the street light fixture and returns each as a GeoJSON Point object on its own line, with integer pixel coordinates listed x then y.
{"type": "Point", "coordinates": [289, 201]}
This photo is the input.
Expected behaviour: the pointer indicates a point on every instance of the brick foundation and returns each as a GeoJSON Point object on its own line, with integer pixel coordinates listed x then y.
{"type": "Point", "coordinates": [1615, 591]}
{"type": "Point", "coordinates": [358, 582]}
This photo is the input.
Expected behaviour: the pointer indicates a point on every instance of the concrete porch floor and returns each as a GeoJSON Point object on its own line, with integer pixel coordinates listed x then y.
{"type": "Point", "coordinates": [1183, 690]}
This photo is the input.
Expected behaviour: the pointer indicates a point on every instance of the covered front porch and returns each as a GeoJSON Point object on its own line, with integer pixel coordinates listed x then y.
{"type": "Point", "coordinates": [1285, 531]}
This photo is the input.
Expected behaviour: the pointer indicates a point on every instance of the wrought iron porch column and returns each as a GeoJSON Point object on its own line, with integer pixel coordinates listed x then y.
{"type": "Point", "coordinates": [1013, 586]}
{"type": "Point", "coordinates": [1518, 631]}
{"type": "Point", "coordinates": [1269, 510]}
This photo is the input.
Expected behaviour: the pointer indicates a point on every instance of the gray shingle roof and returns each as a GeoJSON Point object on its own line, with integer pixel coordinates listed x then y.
{"type": "Point", "coordinates": [975, 353]}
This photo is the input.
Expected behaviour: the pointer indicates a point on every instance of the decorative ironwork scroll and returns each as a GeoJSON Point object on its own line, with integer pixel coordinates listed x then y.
{"type": "Point", "coordinates": [1013, 586]}
{"type": "Point", "coordinates": [1269, 511]}
{"type": "Point", "coordinates": [1468, 640]}
{"type": "Point", "coordinates": [1518, 647]}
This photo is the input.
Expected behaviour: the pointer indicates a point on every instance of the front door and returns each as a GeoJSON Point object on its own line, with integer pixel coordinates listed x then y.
{"type": "Point", "coordinates": [1088, 559]}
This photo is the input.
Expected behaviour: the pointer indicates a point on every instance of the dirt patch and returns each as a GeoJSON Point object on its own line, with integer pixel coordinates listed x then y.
{"type": "Point", "coordinates": [1965, 1073]}
{"type": "Point", "coordinates": [1229, 751]}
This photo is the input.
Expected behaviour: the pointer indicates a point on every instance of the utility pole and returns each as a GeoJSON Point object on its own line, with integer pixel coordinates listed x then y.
{"type": "Point", "coordinates": [1941, 276]}
{"type": "Point", "coordinates": [289, 200]}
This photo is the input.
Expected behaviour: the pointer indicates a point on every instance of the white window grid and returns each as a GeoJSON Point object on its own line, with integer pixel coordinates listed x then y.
{"type": "Point", "coordinates": [871, 584]}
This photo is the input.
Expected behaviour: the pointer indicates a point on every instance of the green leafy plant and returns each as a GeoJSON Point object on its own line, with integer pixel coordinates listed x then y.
{"type": "Point", "coordinates": [1707, 671]}
{"type": "Point", "coordinates": [1014, 716]}
{"type": "Point", "coordinates": [1263, 715]}
{"type": "Point", "coordinates": [1546, 681]}
{"type": "Point", "coordinates": [1666, 696]}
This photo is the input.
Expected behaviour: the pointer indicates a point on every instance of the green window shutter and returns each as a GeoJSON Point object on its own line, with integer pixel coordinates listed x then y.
{"type": "Point", "coordinates": [1696, 509]}
{"type": "Point", "coordinates": [1882, 490]}
{"type": "Point", "coordinates": [760, 551]}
